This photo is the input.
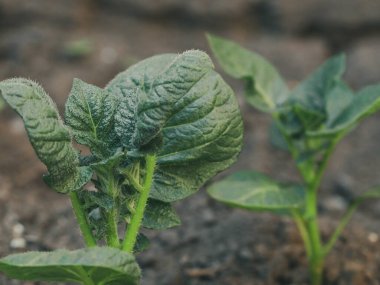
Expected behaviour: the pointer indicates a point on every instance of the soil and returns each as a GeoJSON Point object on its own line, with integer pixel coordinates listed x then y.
{"type": "Point", "coordinates": [215, 244]}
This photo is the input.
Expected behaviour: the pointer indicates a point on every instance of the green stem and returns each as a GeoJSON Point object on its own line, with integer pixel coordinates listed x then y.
{"type": "Point", "coordinates": [134, 226]}
{"type": "Point", "coordinates": [316, 268]}
{"type": "Point", "coordinates": [112, 236]}
{"type": "Point", "coordinates": [132, 180]}
{"type": "Point", "coordinates": [303, 231]}
{"type": "Point", "coordinates": [82, 220]}
{"type": "Point", "coordinates": [316, 258]}
{"type": "Point", "coordinates": [338, 231]}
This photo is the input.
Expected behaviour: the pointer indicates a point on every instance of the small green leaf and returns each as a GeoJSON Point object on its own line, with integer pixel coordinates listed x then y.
{"type": "Point", "coordinates": [101, 266]}
{"type": "Point", "coordinates": [276, 137]}
{"type": "Point", "coordinates": [364, 103]}
{"type": "Point", "coordinates": [90, 113]}
{"type": "Point", "coordinates": [339, 99]}
{"type": "Point", "coordinates": [47, 133]}
{"type": "Point", "coordinates": [314, 91]}
{"type": "Point", "coordinates": [108, 165]}
{"type": "Point", "coordinates": [159, 216]}
{"type": "Point", "coordinates": [310, 119]}
{"type": "Point", "coordinates": [142, 243]}
{"type": "Point", "coordinates": [373, 193]}
{"type": "Point", "coordinates": [265, 89]}
{"type": "Point", "coordinates": [257, 192]}
{"type": "Point", "coordinates": [182, 101]}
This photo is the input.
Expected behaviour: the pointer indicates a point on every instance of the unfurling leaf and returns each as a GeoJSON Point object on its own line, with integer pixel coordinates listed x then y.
{"type": "Point", "coordinates": [50, 138]}
{"type": "Point", "coordinates": [99, 265]}
{"type": "Point", "coordinates": [90, 113]}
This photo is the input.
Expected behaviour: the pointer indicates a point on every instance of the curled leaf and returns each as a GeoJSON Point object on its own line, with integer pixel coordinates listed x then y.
{"type": "Point", "coordinates": [50, 138]}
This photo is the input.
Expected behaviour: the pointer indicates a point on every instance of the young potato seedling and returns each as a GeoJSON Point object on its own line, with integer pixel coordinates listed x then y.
{"type": "Point", "coordinates": [157, 132]}
{"type": "Point", "coordinates": [309, 121]}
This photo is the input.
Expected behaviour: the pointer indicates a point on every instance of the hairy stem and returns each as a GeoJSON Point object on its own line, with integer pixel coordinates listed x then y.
{"type": "Point", "coordinates": [112, 236]}
{"type": "Point", "coordinates": [82, 220]}
{"type": "Point", "coordinates": [134, 226]}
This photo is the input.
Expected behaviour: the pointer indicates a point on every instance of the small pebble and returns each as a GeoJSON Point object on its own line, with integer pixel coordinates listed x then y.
{"type": "Point", "coordinates": [336, 203]}
{"type": "Point", "coordinates": [373, 237]}
{"type": "Point", "coordinates": [18, 230]}
{"type": "Point", "coordinates": [18, 243]}
{"type": "Point", "coordinates": [108, 55]}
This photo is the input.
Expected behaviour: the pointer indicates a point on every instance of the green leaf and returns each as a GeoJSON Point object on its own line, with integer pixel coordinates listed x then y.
{"type": "Point", "coordinates": [90, 113]}
{"type": "Point", "coordinates": [338, 100]}
{"type": "Point", "coordinates": [265, 89]}
{"type": "Point", "coordinates": [184, 102]}
{"type": "Point", "coordinates": [373, 193]}
{"type": "Point", "coordinates": [257, 192]}
{"type": "Point", "coordinates": [108, 165]}
{"type": "Point", "coordinates": [276, 137]}
{"type": "Point", "coordinates": [314, 91]}
{"type": "Point", "coordinates": [50, 138]}
{"type": "Point", "coordinates": [159, 216]}
{"type": "Point", "coordinates": [364, 103]}
{"type": "Point", "coordinates": [101, 266]}
{"type": "Point", "coordinates": [142, 243]}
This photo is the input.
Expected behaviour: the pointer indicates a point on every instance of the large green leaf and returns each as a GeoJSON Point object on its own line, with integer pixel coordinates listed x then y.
{"type": "Point", "coordinates": [90, 113]}
{"type": "Point", "coordinates": [265, 89]}
{"type": "Point", "coordinates": [50, 138]}
{"type": "Point", "coordinates": [254, 191]}
{"type": "Point", "coordinates": [95, 266]}
{"type": "Point", "coordinates": [180, 101]}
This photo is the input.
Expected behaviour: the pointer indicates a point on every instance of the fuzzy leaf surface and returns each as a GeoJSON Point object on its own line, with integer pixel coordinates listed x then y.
{"type": "Point", "coordinates": [257, 192]}
{"type": "Point", "coordinates": [49, 137]}
{"type": "Point", "coordinates": [101, 266]}
{"type": "Point", "coordinates": [178, 107]}
{"type": "Point", "coordinates": [265, 89]}
{"type": "Point", "coordinates": [90, 114]}
{"type": "Point", "coordinates": [159, 216]}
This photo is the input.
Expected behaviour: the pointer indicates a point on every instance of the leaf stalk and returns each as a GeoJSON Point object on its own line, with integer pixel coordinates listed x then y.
{"type": "Point", "coordinates": [82, 220]}
{"type": "Point", "coordinates": [134, 226]}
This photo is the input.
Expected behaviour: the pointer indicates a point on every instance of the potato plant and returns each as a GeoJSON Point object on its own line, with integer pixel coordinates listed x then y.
{"type": "Point", "coordinates": [156, 133]}
{"type": "Point", "coordinates": [309, 121]}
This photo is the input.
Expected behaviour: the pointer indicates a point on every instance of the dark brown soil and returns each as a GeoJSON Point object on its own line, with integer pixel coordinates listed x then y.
{"type": "Point", "coordinates": [215, 244]}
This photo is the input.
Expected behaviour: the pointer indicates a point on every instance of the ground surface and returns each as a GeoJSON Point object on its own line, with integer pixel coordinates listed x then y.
{"type": "Point", "coordinates": [215, 244]}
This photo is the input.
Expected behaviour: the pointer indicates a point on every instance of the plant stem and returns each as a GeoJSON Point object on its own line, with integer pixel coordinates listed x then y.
{"type": "Point", "coordinates": [112, 236]}
{"type": "Point", "coordinates": [316, 258]}
{"type": "Point", "coordinates": [303, 231]}
{"type": "Point", "coordinates": [134, 226]}
{"type": "Point", "coordinates": [338, 231]}
{"type": "Point", "coordinates": [82, 220]}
